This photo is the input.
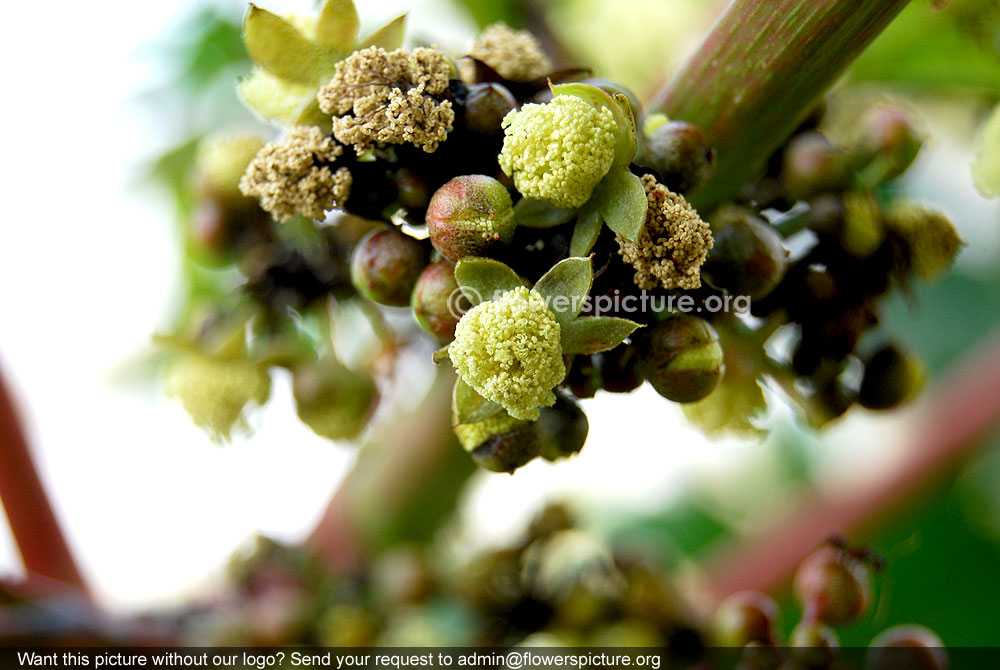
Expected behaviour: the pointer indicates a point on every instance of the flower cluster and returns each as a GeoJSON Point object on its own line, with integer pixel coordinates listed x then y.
{"type": "Point", "coordinates": [215, 392]}
{"type": "Point", "coordinates": [390, 97]}
{"type": "Point", "coordinates": [514, 54]}
{"type": "Point", "coordinates": [673, 244]}
{"type": "Point", "coordinates": [508, 350]}
{"type": "Point", "coordinates": [557, 152]}
{"type": "Point", "coordinates": [297, 176]}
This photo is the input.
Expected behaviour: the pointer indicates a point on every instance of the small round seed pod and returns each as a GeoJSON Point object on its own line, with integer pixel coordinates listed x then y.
{"type": "Point", "coordinates": [907, 647]}
{"type": "Point", "coordinates": [221, 164]}
{"type": "Point", "coordinates": [508, 450]}
{"type": "Point", "coordinates": [681, 357]}
{"type": "Point", "coordinates": [584, 378]}
{"type": "Point", "coordinates": [814, 643]}
{"type": "Point", "coordinates": [620, 369]}
{"type": "Point", "coordinates": [562, 429]}
{"type": "Point", "coordinates": [485, 107]}
{"type": "Point", "coordinates": [680, 152]}
{"type": "Point", "coordinates": [812, 166]}
{"type": "Point", "coordinates": [832, 586]}
{"type": "Point", "coordinates": [385, 267]}
{"type": "Point", "coordinates": [437, 302]}
{"type": "Point", "coordinates": [744, 618]}
{"type": "Point", "coordinates": [891, 378]}
{"type": "Point", "coordinates": [748, 257]}
{"type": "Point", "coordinates": [334, 401]}
{"type": "Point", "coordinates": [470, 216]}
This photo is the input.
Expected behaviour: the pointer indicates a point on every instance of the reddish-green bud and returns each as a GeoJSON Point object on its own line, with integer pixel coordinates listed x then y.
{"type": "Point", "coordinates": [748, 257]}
{"type": "Point", "coordinates": [470, 216]}
{"type": "Point", "coordinates": [385, 267]}
{"type": "Point", "coordinates": [745, 617]}
{"type": "Point", "coordinates": [907, 647]}
{"type": "Point", "coordinates": [412, 190]}
{"type": "Point", "coordinates": [620, 369]}
{"type": "Point", "coordinates": [888, 144]}
{"type": "Point", "coordinates": [562, 429]}
{"type": "Point", "coordinates": [437, 303]}
{"type": "Point", "coordinates": [331, 399]}
{"type": "Point", "coordinates": [485, 107]}
{"type": "Point", "coordinates": [891, 378]}
{"type": "Point", "coordinates": [833, 586]}
{"type": "Point", "coordinates": [681, 357]}
{"type": "Point", "coordinates": [812, 165]}
{"type": "Point", "coordinates": [680, 152]}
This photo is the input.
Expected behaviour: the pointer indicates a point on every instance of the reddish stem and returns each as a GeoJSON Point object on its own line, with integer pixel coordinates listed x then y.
{"type": "Point", "coordinates": [955, 416]}
{"type": "Point", "coordinates": [40, 540]}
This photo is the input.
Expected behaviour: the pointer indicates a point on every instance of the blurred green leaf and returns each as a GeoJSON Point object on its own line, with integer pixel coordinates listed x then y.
{"type": "Point", "coordinates": [929, 50]}
{"type": "Point", "coordinates": [389, 37]}
{"type": "Point", "coordinates": [278, 47]}
{"type": "Point", "coordinates": [338, 24]}
{"type": "Point", "coordinates": [485, 12]}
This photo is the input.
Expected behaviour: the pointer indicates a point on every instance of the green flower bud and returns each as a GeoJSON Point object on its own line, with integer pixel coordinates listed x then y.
{"type": "Point", "coordinates": [436, 301]}
{"type": "Point", "coordinates": [681, 357]}
{"type": "Point", "coordinates": [907, 647]}
{"type": "Point", "coordinates": [743, 618]}
{"type": "Point", "coordinates": [558, 151]}
{"type": "Point", "coordinates": [470, 216]}
{"type": "Point", "coordinates": [509, 351]}
{"type": "Point", "coordinates": [832, 586]}
{"type": "Point", "coordinates": [562, 428]}
{"type": "Point", "coordinates": [748, 257]}
{"type": "Point", "coordinates": [215, 392]}
{"type": "Point", "coordinates": [486, 105]}
{"type": "Point", "coordinates": [891, 378]}
{"type": "Point", "coordinates": [680, 152]}
{"type": "Point", "coordinates": [334, 401]}
{"type": "Point", "coordinates": [385, 267]}
{"type": "Point", "coordinates": [812, 165]}
{"type": "Point", "coordinates": [221, 164]}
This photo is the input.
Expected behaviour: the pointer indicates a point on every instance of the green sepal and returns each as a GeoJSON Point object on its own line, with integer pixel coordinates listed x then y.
{"type": "Point", "coordinates": [626, 143]}
{"type": "Point", "coordinates": [481, 279]}
{"type": "Point", "coordinates": [532, 213]}
{"type": "Point", "coordinates": [279, 48]}
{"type": "Point", "coordinates": [468, 406]}
{"type": "Point", "coordinates": [621, 199]}
{"type": "Point", "coordinates": [338, 23]}
{"type": "Point", "coordinates": [441, 355]}
{"type": "Point", "coordinates": [594, 334]}
{"type": "Point", "coordinates": [275, 100]}
{"type": "Point", "coordinates": [565, 287]}
{"type": "Point", "coordinates": [586, 231]}
{"type": "Point", "coordinates": [389, 37]}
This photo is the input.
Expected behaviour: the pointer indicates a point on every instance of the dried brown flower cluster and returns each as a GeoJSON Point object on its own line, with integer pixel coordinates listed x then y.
{"type": "Point", "coordinates": [389, 97]}
{"type": "Point", "coordinates": [673, 244]}
{"type": "Point", "coordinates": [296, 176]}
{"type": "Point", "coordinates": [514, 54]}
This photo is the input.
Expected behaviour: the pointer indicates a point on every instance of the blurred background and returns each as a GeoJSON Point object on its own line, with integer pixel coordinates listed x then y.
{"type": "Point", "coordinates": [91, 264]}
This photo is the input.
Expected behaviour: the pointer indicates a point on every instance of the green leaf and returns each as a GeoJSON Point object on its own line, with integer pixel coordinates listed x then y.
{"type": "Point", "coordinates": [626, 142]}
{"type": "Point", "coordinates": [565, 287]}
{"type": "Point", "coordinates": [468, 406]}
{"type": "Point", "coordinates": [986, 166]}
{"type": "Point", "coordinates": [389, 37]}
{"type": "Point", "coordinates": [532, 213]}
{"type": "Point", "coordinates": [586, 231]}
{"type": "Point", "coordinates": [593, 334]}
{"type": "Point", "coordinates": [338, 24]}
{"type": "Point", "coordinates": [278, 47]}
{"type": "Point", "coordinates": [482, 278]}
{"type": "Point", "coordinates": [622, 201]}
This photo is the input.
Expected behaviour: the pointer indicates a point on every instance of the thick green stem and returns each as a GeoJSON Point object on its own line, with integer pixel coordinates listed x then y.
{"type": "Point", "coordinates": [761, 70]}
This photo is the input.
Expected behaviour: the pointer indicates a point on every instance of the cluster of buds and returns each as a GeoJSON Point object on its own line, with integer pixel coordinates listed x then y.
{"type": "Point", "coordinates": [498, 200]}
{"type": "Point", "coordinates": [833, 586]}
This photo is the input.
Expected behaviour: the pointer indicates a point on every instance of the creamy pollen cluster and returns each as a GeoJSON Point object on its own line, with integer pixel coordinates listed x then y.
{"type": "Point", "coordinates": [509, 351]}
{"type": "Point", "coordinates": [558, 151]}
